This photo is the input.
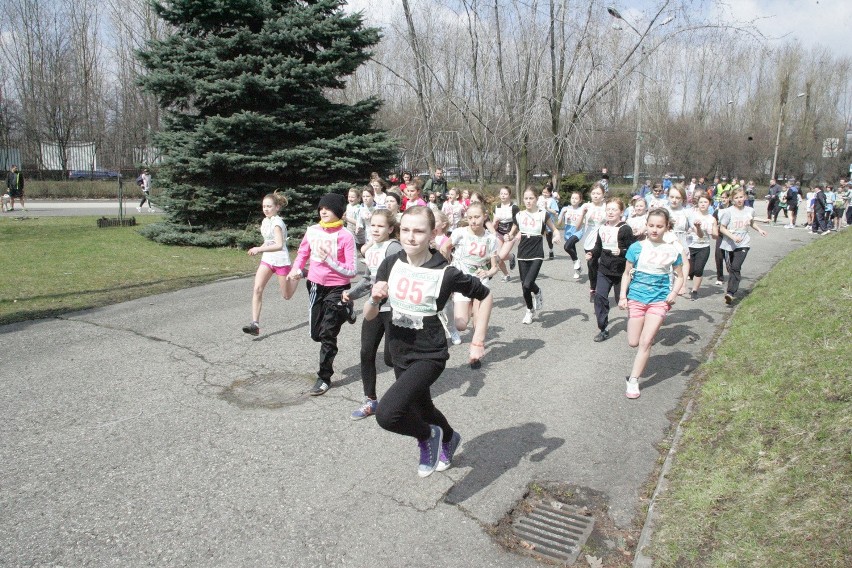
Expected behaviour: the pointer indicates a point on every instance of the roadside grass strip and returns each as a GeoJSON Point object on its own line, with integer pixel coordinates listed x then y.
{"type": "Point", "coordinates": [55, 265]}
{"type": "Point", "coordinates": [763, 476]}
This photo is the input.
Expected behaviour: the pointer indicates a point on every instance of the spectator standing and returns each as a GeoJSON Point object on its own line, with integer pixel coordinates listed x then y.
{"type": "Point", "coordinates": [15, 184]}
{"type": "Point", "coordinates": [437, 184]}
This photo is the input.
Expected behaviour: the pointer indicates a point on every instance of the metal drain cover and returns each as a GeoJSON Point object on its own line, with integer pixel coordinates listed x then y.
{"type": "Point", "coordinates": [555, 532]}
{"type": "Point", "coordinates": [272, 390]}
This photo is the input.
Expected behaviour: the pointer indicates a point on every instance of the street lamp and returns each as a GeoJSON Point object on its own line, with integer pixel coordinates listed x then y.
{"type": "Point", "coordinates": [778, 134]}
{"type": "Point", "coordinates": [637, 156]}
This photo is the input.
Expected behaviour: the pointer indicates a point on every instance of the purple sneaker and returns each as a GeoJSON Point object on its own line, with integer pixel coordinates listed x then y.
{"type": "Point", "coordinates": [448, 450]}
{"type": "Point", "coordinates": [429, 451]}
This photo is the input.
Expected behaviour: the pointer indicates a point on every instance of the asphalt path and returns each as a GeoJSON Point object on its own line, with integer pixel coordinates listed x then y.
{"type": "Point", "coordinates": [154, 432]}
{"type": "Point", "coordinates": [75, 207]}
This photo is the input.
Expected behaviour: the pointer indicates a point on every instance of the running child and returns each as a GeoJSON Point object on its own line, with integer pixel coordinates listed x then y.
{"type": "Point", "coordinates": [719, 255]}
{"type": "Point", "coordinates": [504, 215]}
{"type": "Point", "coordinates": [647, 291]}
{"type": "Point", "coordinates": [383, 244]}
{"type": "Point", "coordinates": [417, 283]}
{"type": "Point", "coordinates": [453, 209]}
{"type": "Point", "coordinates": [638, 218]}
{"type": "Point", "coordinates": [364, 214]}
{"type": "Point", "coordinates": [610, 252]}
{"type": "Point", "coordinates": [353, 198]}
{"type": "Point", "coordinates": [274, 258]}
{"type": "Point", "coordinates": [551, 206]}
{"type": "Point", "coordinates": [570, 217]}
{"type": "Point", "coordinates": [734, 223]}
{"type": "Point", "coordinates": [681, 225]}
{"type": "Point", "coordinates": [702, 237]}
{"type": "Point", "coordinates": [528, 228]}
{"type": "Point", "coordinates": [331, 249]}
{"type": "Point", "coordinates": [592, 217]}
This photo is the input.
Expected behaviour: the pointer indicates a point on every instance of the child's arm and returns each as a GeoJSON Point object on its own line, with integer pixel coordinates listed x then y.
{"type": "Point", "coordinates": [344, 264]}
{"type": "Point", "coordinates": [625, 284]}
{"type": "Point", "coordinates": [301, 259]}
{"type": "Point", "coordinates": [279, 244]}
{"type": "Point", "coordinates": [557, 238]}
{"type": "Point", "coordinates": [676, 285]}
{"type": "Point", "coordinates": [582, 217]}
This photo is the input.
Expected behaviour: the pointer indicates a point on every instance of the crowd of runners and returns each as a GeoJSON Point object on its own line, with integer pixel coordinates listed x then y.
{"type": "Point", "coordinates": [430, 253]}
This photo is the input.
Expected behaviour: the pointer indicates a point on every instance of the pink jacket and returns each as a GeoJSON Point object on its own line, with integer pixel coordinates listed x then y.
{"type": "Point", "coordinates": [335, 270]}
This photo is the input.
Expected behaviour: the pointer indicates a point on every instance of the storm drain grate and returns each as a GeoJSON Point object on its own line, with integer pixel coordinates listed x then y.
{"type": "Point", "coordinates": [557, 533]}
{"type": "Point", "coordinates": [270, 391]}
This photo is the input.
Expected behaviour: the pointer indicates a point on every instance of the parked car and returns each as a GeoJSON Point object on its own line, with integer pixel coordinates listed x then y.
{"type": "Point", "coordinates": [93, 174]}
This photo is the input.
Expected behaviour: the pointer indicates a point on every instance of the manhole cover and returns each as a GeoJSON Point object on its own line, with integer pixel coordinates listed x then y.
{"type": "Point", "coordinates": [556, 532]}
{"type": "Point", "coordinates": [272, 390]}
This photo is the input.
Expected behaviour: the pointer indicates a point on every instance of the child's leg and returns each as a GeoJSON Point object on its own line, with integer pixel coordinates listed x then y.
{"type": "Point", "coordinates": [647, 331]}
{"type": "Point", "coordinates": [548, 235]}
{"type": "Point", "coordinates": [602, 288]}
{"type": "Point", "coordinates": [371, 336]}
{"type": "Point", "coordinates": [593, 272]}
{"type": "Point", "coordinates": [570, 247]}
{"type": "Point", "coordinates": [736, 258]}
{"type": "Point", "coordinates": [720, 256]}
{"type": "Point", "coordinates": [407, 407]}
{"type": "Point", "coordinates": [331, 320]}
{"type": "Point", "coordinates": [528, 276]}
{"type": "Point", "coordinates": [261, 278]}
{"type": "Point", "coordinates": [461, 314]}
{"type": "Point", "coordinates": [288, 287]}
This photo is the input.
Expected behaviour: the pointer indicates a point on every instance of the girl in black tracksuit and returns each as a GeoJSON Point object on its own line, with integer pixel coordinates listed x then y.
{"type": "Point", "coordinates": [382, 231]}
{"type": "Point", "coordinates": [417, 284]}
{"type": "Point", "coordinates": [610, 252]}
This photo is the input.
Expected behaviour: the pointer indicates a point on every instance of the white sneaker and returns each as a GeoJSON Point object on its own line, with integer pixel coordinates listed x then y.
{"type": "Point", "coordinates": [528, 317]}
{"type": "Point", "coordinates": [139, 210]}
{"type": "Point", "coordinates": [632, 387]}
{"type": "Point", "coordinates": [455, 337]}
{"type": "Point", "coordinates": [506, 278]}
{"type": "Point", "coordinates": [577, 275]}
{"type": "Point", "coordinates": [538, 300]}
{"type": "Point", "coordinates": [577, 265]}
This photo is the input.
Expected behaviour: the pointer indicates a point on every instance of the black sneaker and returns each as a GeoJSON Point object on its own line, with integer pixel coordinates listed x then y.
{"type": "Point", "coordinates": [694, 295]}
{"type": "Point", "coordinates": [551, 255]}
{"type": "Point", "coordinates": [512, 261]}
{"type": "Point", "coordinates": [252, 328]}
{"type": "Point", "coordinates": [602, 336]}
{"type": "Point", "coordinates": [320, 388]}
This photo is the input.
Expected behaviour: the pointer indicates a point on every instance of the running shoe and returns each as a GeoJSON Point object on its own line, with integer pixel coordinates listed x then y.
{"type": "Point", "coordinates": [430, 450]}
{"type": "Point", "coordinates": [729, 299]}
{"type": "Point", "coordinates": [825, 232]}
{"type": "Point", "coordinates": [694, 294]}
{"type": "Point", "coordinates": [602, 336]}
{"type": "Point", "coordinates": [139, 210]}
{"type": "Point", "coordinates": [506, 278]}
{"type": "Point", "coordinates": [252, 328]}
{"type": "Point", "coordinates": [592, 296]}
{"type": "Point", "coordinates": [538, 300]}
{"type": "Point", "coordinates": [320, 388]}
{"type": "Point", "coordinates": [365, 410]}
{"type": "Point", "coordinates": [577, 266]}
{"type": "Point", "coordinates": [448, 449]}
{"type": "Point", "coordinates": [577, 275]}
{"type": "Point", "coordinates": [719, 283]}
{"type": "Point", "coordinates": [512, 260]}
{"type": "Point", "coordinates": [528, 318]}
{"type": "Point", "coordinates": [551, 255]}
{"type": "Point", "coordinates": [632, 387]}
{"type": "Point", "coordinates": [455, 337]}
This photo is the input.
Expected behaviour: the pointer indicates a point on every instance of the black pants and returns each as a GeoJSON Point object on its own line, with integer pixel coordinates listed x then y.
{"type": "Point", "coordinates": [528, 270]}
{"type": "Point", "coordinates": [770, 207]}
{"type": "Point", "coordinates": [734, 260]}
{"type": "Point", "coordinates": [849, 214]}
{"type": "Point", "coordinates": [604, 284]}
{"type": "Point", "coordinates": [407, 406]}
{"type": "Point", "coordinates": [820, 224]}
{"type": "Point", "coordinates": [144, 199]}
{"type": "Point", "coordinates": [720, 260]}
{"type": "Point", "coordinates": [327, 317]}
{"type": "Point", "coordinates": [371, 336]}
{"type": "Point", "coordinates": [593, 272]}
{"type": "Point", "coordinates": [698, 258]}
{"type": "Point", "coordinates": [548, 236]}
{"type": "Point", "coordinates": [570, 246]}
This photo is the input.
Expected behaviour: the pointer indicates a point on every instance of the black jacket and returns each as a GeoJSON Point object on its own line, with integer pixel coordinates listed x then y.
{"type": "Point", "coordinates": [611, 264]}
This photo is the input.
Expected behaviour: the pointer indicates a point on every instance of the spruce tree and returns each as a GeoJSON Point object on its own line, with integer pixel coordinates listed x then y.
{"type": "Point", "coordinates": [243, 84]}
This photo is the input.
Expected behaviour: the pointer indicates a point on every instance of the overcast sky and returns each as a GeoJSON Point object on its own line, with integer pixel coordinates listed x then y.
{"type": "Point", "coordinates": [826, 22]}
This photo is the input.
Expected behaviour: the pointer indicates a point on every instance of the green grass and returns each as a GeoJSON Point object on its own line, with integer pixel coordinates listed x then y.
{"type": "Point", "coordinates": [54, 265]}
{"type": "Point", "coordinates": [764, 473]}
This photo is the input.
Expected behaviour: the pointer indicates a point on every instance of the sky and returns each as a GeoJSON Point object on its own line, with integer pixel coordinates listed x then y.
{"type": "Point", "coordinates": [811, 22]}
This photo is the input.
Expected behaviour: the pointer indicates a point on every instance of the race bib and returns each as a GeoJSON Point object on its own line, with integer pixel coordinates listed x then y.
{"type": "Point", "coordinates": [413, 290]}
{"type": "Point", "coordinates": [375, 255]}
{"type": "Point", "coordinates": [473, 252]}
{"type": "Point", "coordinates": [530, 224]}
{"type": "Point", "coordinates": [321, 242]}
{"type": "Point", "coordinates": [609, 238]}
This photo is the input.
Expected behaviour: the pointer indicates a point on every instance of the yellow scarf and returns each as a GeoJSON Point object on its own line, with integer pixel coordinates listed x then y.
{"type": "Point", "coordinates": [331, 224]}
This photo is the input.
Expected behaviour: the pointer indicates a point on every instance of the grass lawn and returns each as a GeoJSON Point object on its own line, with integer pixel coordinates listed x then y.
{"type": "Point", "coordinates": [764, 473]}
{"type": "Point", "coordinates": [55, 265]}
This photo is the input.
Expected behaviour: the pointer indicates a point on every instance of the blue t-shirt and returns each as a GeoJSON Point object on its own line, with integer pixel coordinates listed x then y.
{"type": "Point", "coordinates": [652, 263]}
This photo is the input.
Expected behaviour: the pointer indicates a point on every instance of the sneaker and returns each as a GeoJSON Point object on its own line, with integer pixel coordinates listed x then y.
{"type": "Point", "coordinates": [719, 283]}
{"type": "Point", "coordinates": [448, 449]}
{"type": "Point", "coordinates": [577, 266]}
{"type": "Point", "coordinates": [592, 296]}
{"type": "Point", "coordinates": [577, 275]}
{"type": "Point", "coordinates": [538, 300]}
{"type": "Point", "coordinates": [252, 328]}
{"type": "Point", "coordinates": [351, 316]}
{"type": "Point", "coordinates": [139, 210]}
{"type": "Point", "coordinates": [506, 278]}
{"type": "Point", "coordinates": [512, 260]}
{"type": "Point", "coordinates": [825, 232]}
{"type": "Point", "coordinates": [528, 317]}
{"type": "Point", "coordinates": [694, 294]}
{"type": "Point", "coordinates": [455, 337]}
{"type": "Point", "coordinates": [365, 410]}
{"type": "Point", "coordinates": [320, 388]}
{"type": "Point", "coordinates": [632, 387]}
{"type": "Point", "coordinates": [602, 336]}
{"type": "Point", "coordinates": [430, 450]}
{"type": "Point", "coordinates": [551, 255]}
{"type": "Point", "coordinates": [729, 299]}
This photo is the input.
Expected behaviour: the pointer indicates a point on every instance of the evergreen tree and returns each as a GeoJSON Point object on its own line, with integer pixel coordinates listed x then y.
{"type": "Point", "coordinates": [242, 84]}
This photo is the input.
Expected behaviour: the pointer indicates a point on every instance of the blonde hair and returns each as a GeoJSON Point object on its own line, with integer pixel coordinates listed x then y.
{"type": "Point", "coordinates": [278, 198]}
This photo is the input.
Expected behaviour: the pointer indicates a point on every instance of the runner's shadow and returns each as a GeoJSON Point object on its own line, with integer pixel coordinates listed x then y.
{"type": "Point", "coordinates": [674, 334]}
{"type": "Point", "coordinates": [690, 315]}
{"type": "Point", "coordinates": [509, 302]}
{"type": "Point", "coordinates": [456, 377]}
{"type": "Point", "coordinates": [491, 454]}
{"type": "Point", "coordinates": [666, 366]}
{"type": "Point", "coordinates": [554, 318]}
{"type": "Point", "coordinates": [266, 336]}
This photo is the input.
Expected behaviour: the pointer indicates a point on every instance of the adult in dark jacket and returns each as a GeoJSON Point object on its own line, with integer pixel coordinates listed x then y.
{"type": "Point", "coordinates": [436, 184]}
{"type": "Point", "coordinates": [15, 184]}
{"type": "Point", "coordinates": [820, 224]}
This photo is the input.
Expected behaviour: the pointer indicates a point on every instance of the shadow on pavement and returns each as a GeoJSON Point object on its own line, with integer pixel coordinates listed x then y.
{"type": "Point", "coordinates": [668, 365]}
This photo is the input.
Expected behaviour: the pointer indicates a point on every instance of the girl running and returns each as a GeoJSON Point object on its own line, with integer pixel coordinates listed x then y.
{"type": "Point", "coordinates": [647, 291]}
{"type": "Point", "coordinates": [570, 216]}
{"type": "Point", "coordinates": [702, 237]}
{"type": "Point", "coordinates": [417, 283]}
{"type": "Point", "coordinates": [393, 201]}
{"type": "Point", "coordinates": [551, 206]}
{"type": "Point", "coordinates": [474, 252]}
{"type": "Point", "coordinates": [734, 223]}
{"type": "Point", "coordinates": [331, 249]}
{"type": "Point", "coordinates": [719, 255]}
{"type": "Point", "coordinates": [504, 215]}
{"type": "Point", "coordinates": [379, 191]}
{"type": "Point", "coordinates": [353, 198]}
{"type": "Point", "coordinates": [453, 209]}
{"type": "Point", "coordinates": [593, 215]}
{"type": "Point", "coordinates": [528, 228]}
{"type": "Point", "coordinates": [364, 214]}
{"type": "Point", "coordinates": [681, 224]}
{"type": "Point", "coordinates": [614, 238]}
{"type": "Point", "coordinates": [383, 245]}
{"type": "Point", "coordinates": [638, 219]}
{"type": "Point", "coordinates": [274, 258]}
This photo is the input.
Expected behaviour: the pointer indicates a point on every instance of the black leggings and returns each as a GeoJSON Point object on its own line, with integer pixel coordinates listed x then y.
{"type": "Point", "coordinates": [698, 260]}
{"type": "Point", "coordinates": [720, 260]}
{"type": "Point", "coordinates": [593, 272]}
{"type": "Point", "coordinates": [734, 260]}
{"type": "Point", "coordinates": [372, 332]}
{"type": "Point", "coordinates": [603, 286]}
{"type": "Point", "coordinates": [144, 199]}
{"type": "Point", "coordinates": [528, 269]}
{"type": "Point", "coordinates": [327, 316]}
{"type": "Point", "coordinates": [570, 246]}
{"type": "Point", "coordinates": [407, 407]}
{"type": "Point", "coordinates": [548, 236]}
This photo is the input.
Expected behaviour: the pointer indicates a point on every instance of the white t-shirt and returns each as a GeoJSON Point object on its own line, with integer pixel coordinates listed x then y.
{"type": "Point", "coordinates": [595, 215]}
{"type": "Point", "coordinates": [267, 230]}
{"type": "Point", "coordinates": [737, 221]}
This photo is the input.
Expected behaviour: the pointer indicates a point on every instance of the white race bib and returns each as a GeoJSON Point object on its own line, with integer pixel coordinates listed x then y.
{"type": "Point", "coordinates": [321, 242]}
{"type": "Point", "coordinates": [530, 224]}
{"type": "Point", "coordinates": [413, 290]}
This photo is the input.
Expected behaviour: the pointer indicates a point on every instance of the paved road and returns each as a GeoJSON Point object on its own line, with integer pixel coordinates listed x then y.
{"type": "Point", "coordinates": [154, 432]}
{"type": "Point", "coordinates": [73, 207]}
